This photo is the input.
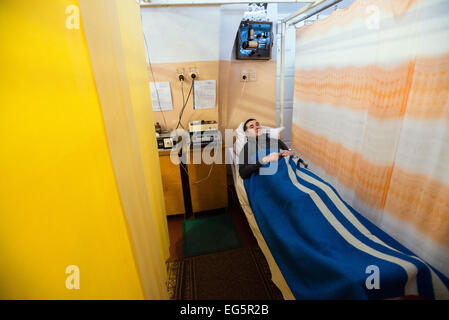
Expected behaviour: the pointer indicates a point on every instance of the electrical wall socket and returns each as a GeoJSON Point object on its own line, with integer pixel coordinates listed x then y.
{"type": "Point", "coordinates": [180, 72]}
{"type": "Point", "coordinates": [193, 71]}
{"type": "Point", "coordinates": [248, 75]}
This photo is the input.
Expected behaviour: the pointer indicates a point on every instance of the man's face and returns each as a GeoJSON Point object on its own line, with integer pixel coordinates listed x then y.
{"type": "Point", "coordinates": [253, 128]}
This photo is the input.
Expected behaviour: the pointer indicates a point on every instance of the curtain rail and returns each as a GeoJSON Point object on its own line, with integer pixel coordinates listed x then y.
{"type": "Point", "coordinates": [316, 12]}
{"type": "Point", "coordinates": [158, 3]}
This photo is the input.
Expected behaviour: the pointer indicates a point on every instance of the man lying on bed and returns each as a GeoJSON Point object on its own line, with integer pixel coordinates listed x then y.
{"type": "Point", "coordinates": [257, 140]}
{"type": "Point", "coordinates": [324, 248]}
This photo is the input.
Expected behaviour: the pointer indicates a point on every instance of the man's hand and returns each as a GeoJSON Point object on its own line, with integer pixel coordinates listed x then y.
{"type": "Point", "coordinates": [285, 153]}
{"type": "Point", "coordinates": [271, 157]}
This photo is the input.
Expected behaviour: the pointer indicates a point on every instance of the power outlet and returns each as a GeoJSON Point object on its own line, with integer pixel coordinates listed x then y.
{"type": "Point", "coordinates": [248, 75]}
{"type": "Point", "coordinates": [244, 76]}
{"type": "Point", "coordinates": [193, 73]}
{"type": "Point", "coordinates": [180, 73]}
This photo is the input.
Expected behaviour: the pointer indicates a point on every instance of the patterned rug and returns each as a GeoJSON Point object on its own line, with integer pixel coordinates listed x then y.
{"type": "Point", "coordinates": [238, 274]}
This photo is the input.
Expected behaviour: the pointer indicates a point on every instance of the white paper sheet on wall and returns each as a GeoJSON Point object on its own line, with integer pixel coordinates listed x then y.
{"type": "Point", "coordinates": [161, 96]}
{"type": "Point", "coordinates": [205, 94]}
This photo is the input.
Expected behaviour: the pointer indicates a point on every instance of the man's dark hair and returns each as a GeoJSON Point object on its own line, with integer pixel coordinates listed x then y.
{"type": "Point", "coordinates": [244, 126]}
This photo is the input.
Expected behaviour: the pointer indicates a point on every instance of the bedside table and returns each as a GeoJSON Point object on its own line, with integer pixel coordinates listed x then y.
{"type": "Point", "coordinates": [194, 187]}
{"type": "Point", "coordinates": [171, 183]}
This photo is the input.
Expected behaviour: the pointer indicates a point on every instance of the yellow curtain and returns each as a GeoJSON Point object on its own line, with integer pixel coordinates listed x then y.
{"type": "Point", "coordinates": [116, 48]}
{"type": "Point", "coordinates": [81, 206]}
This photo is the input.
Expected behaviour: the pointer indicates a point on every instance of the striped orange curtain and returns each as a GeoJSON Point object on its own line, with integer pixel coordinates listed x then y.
{"type": "Point", "coordinates": [371, 115]}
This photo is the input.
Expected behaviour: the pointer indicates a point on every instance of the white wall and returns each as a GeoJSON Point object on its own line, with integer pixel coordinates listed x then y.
{"type": "Point", "coordinates": [230, 18]}
{"type": "Point", "coordinates": [197, 33]}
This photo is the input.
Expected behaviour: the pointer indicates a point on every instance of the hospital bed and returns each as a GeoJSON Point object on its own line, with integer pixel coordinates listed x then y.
{"type": "Point", "coordinates": [421, 279]}
{"type": "Point", "coordinates": [276, 275]}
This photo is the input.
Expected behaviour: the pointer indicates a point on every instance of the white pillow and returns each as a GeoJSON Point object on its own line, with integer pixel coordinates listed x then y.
{"type": "Point", "coordinates": [240, 141]}
{"type": "Point", "coordinates": [241, 137]}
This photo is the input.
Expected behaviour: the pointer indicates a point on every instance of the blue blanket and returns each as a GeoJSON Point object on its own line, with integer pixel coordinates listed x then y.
{"type": "Point", "coordinates": [327, 250]}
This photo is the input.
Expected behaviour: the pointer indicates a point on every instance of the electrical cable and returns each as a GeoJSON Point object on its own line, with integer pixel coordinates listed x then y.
{"type": "Point", "coordinates": [182, 91]}
{"type": "Point", "coordinates": [210, 170]}
{"type": "Point", "coordinates": [203, 179]}
{"type": "Point", "coordinates": [184, 106]}
{"type": "Point", "coordinates": [152, 74]}
{"type": "Point", "coordinates": [241, 92]}
{"type": "Point", "coordinates": [183, 99]}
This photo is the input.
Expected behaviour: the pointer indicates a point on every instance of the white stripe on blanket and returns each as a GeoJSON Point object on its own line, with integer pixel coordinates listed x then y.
{"type": "Point", "coordinates": [440, 290]}
{"type": "Point", "coordinates": [411, 287]}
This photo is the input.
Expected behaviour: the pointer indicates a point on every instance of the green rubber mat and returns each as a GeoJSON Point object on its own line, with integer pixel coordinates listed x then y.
{"type": "Point", "coordinates": [208, 235]}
